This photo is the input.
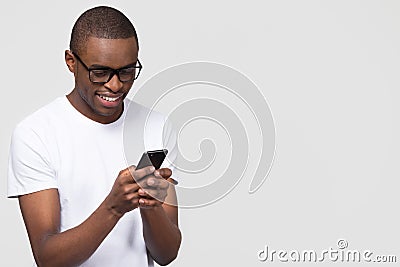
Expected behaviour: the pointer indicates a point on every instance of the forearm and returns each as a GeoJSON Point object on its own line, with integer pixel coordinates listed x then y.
{"type": "Point", "coordinates": [162, 236]}
{"type": "Point", "coordinates": [76, 245]}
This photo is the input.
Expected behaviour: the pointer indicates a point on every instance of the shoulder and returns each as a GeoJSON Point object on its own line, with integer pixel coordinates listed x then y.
{"type": "Point", "coordinates": [45, 113]}
{"type": "Point", "coordinates": [136, 111]}
{"type": "Point", "coordinates": [148, 124]}
{"type": "Point", "coordinates": [41, 120]}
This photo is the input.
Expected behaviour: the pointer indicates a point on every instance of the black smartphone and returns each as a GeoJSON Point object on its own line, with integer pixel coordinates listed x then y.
{"type": "Point", "coordinates": [153, 157]}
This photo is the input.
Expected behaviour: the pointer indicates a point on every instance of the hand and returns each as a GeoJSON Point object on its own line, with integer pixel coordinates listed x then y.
{"type": "Point", "coordinates": [124, 195]}
{"type": "Point", "coordinates": [154, 188]}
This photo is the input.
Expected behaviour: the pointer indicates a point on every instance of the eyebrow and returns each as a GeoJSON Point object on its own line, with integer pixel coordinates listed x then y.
{"type": "Point", "coordinates": [102, 67]}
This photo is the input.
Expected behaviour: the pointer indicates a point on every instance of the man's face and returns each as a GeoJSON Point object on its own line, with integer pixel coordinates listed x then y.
{"type": "Point", "coordinates": [101, 102]}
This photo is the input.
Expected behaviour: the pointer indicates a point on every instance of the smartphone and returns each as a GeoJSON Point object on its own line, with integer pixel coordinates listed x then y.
{"type": "Point", "coordinates": [153, 157]}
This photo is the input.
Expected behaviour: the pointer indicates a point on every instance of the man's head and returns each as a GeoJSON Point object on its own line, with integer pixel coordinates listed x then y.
{"type": "Point", "coordinates": [100, 22]}
{"type": "Point", "coordinates": [103, 54]}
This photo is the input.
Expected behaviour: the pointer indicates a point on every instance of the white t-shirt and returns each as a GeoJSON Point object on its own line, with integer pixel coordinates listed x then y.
{"type": "Point", "coordinates": [58, 147]}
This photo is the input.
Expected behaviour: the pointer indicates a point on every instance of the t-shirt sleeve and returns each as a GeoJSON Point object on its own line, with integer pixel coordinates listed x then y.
{"type": "Point", "coordinates": [29, 167]}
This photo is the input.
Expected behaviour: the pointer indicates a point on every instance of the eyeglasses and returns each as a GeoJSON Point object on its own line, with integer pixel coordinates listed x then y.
{"type": "Point", "coordinates": [103, 75]}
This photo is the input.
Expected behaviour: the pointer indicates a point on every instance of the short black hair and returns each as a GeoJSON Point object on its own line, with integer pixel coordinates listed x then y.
{"type": "Point", "coordinates": [100, 22]}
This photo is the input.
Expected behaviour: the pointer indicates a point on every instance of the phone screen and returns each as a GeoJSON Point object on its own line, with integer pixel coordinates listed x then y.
{"type": "Point", "coordinates": [153, 157]}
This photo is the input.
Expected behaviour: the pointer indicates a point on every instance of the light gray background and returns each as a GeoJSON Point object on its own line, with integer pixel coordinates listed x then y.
{"type": "Point", "coordinates": [330, 72]}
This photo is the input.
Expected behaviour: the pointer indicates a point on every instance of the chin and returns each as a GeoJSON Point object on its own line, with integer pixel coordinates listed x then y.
{"type": "Point", "coordinates": [106, 114]}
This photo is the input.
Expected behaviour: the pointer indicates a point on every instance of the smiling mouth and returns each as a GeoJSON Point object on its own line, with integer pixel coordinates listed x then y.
{"type": "Point", "coordinates": [110, 99]}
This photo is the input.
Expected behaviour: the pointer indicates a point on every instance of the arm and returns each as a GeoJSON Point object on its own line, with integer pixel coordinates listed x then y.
{"type": "Point", "coordinates": [160, 220]}
{"type": "Point", "coordinates": [41, 213]}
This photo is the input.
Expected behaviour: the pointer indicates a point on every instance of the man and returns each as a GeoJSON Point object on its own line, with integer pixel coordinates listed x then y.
{"type": "Point", "coordinates": [80, 202]}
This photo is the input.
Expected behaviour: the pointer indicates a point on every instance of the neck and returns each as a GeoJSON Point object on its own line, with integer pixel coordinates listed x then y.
{"type": "Point", "coordinates": [85, 109]}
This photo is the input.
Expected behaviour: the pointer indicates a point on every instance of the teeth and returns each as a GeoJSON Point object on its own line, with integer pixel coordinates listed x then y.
{"type": "Point", "coordinates": [110, 99]}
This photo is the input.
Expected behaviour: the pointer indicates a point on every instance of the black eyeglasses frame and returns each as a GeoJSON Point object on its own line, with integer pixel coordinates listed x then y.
{"type": "Point", "coordinates": [137, 65]}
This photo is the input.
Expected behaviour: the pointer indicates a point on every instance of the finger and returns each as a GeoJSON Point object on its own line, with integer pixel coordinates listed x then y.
{"type": "Point", "coordinates": [131, 188]}
{"type": "Point", "coordinates": [142, 193]}
{"type": "Point", "coordinates": [146, 194]}
{"type": "Point", "coordinates": [172, 181]}
{"type": "Point", "coordinates": [135, 201]}
{"type": "Point", "coordinates": [133, 198]}
{"type": "Point", "coordinates": [148, 181]}
{"type": "Point", "coordinates": [163, 184]}
{"type": "Point", "coordinates": [154, 193]}
{"type": "Point", "coordinates": [154, 182]}
{"type": "Point", "coordinates": [148, 203]}
{"type": "Point", "coordinates": [139, 174]}
{"type": "Point", "coordinates": [126, 174]}
{"type": "Point", "coordinates": [161, 179]}
{"type": "Point", "coordinates": [165, 172]}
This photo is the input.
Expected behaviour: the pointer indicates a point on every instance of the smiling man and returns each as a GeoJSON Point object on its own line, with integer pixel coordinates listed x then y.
{"type": "Point", "coordinates": [81, 204]}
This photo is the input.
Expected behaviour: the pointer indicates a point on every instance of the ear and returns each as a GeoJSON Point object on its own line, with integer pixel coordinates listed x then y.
{"type": "Point", "coordinates": [70, 60]}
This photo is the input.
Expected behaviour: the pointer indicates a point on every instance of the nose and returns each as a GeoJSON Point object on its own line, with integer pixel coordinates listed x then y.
{"type": "Point", "coordinates": [114, 84]}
